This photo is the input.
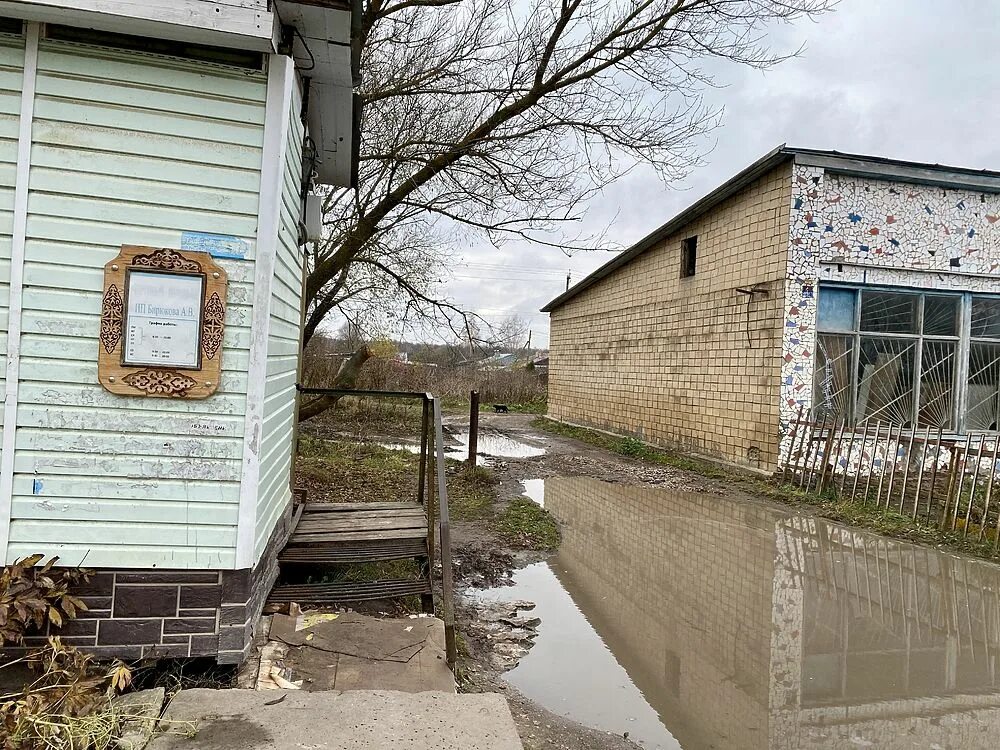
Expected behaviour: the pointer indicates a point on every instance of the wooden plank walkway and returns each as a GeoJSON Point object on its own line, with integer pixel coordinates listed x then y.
{"type": "Point", "coordinates": [343, 534]}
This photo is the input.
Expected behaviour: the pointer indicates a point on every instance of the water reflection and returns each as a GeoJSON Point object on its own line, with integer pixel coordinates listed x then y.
{"type": "Point", "coordinates": [494, 444]}
{"type": "Point", "coordinates": [534, 489]}
{"type": "Point", "coordinates": [747, 627]}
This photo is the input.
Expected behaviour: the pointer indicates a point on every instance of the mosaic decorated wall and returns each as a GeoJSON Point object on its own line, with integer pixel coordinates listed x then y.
{"type": "Point", "coordinates": [860, 230]}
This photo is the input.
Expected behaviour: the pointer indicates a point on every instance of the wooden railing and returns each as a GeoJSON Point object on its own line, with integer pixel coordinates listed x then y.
{"type": "Point", "coordinates": [432, 492]}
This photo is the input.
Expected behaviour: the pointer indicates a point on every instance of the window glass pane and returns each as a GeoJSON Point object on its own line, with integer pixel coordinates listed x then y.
{"type": "Point", "coordinates": [937, 384]}
{"type": "Point", "coordinates": [984, 378]}
{"type": "Point", "coordinates": [885, 380]}
{"type": "Point", "coordinates": [986, 317]}
{"type": "Point", "coordinates": [889, 312]}
{"type": "Point", "coordinates": [832, 385]}
{"type": "Point", "coordinates": [940, 316]}
{"type": "Point", "coordinates": [836, 309]}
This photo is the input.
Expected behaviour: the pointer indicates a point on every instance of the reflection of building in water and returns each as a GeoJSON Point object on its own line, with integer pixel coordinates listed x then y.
{"type": "Point", "coordinates": [747, 628]}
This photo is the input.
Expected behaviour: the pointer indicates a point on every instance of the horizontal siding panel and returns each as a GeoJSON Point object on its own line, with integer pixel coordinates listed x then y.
{"type": "Point", "coordinates": [85, 373]}
{"type": "Point", "coordinates": [56, 348]}
{"type": "Point", "coordinates": [112, 210]}
{"type": "Point", "coordinates": [191, 196]}
{"type": "Point", "coordinates": [52, 230]}
{"type": "Point", "coordinates": [204, 125]}
{"type": "Point", "coordinates": [98, 443]}
{"type": "Point", "coordinates": [45, 295]}
{"type": "Point", "coordinates": [174, 151]}
{"type": "Point", "coordinates": [94, 396]}
{"type": "Point", "coordinates": [130, 421]}
{"type": "Point", "coordinates": [87, 326]}
{"type": "Point", "coordinates": [139, 167]}
{"type": "Point", "coordinates": [49, 258]}
{"type": "Point", "coordinates": [125, 466]}
{"type": "Point", "coordinates": [55, 487]}
{"type": "Point", "coordinates": [128, 555]}
{"type": "Point", "coordinates": [77, 61]}
{"type": "Point", "coordinates": [88, 509]}
{"type": "Point", "coordinates": [165, 101]}
{"type": "Point", "coordinates": [98, 532]}
{"type": "Point", "coordinates": [266, 523]}
{"type": "Point", "coordinates": [278, 425]}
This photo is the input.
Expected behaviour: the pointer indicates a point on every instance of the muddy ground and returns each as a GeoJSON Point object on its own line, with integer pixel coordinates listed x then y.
{"type": "Point", "coordinates": [487, 548]}
{"type": "Point", "coordinates": [486, 560]}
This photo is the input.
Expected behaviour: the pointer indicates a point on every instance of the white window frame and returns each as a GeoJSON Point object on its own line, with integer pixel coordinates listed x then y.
{"type": "Point", "coordinates": [963, 342]}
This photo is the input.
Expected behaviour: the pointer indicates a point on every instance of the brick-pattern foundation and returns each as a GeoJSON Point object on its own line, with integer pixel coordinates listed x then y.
{"type": "Point", "coordinates": [161, 614]}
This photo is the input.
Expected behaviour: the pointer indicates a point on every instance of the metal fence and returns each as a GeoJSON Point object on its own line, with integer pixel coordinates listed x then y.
{"type": "Point", "coordinates": [915, 471]}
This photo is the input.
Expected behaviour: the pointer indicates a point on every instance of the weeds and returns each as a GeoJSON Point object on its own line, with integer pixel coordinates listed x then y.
{"type": "Point", "coordinates": [471, 491]}
{"type": "Point", "coordinates": [348, 471]}
{"type": "Point", "coordinates": [69, 703]}
{"type": "Point", "coordinates": [523, 523]}
{"type": "Point", "coordinates": [631, 447]}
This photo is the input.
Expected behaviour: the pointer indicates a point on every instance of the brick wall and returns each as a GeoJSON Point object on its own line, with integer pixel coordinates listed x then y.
{"type": "Point", "coordinates": [687, 362]}
{"type": "Point", "coordinates": [159, 614]}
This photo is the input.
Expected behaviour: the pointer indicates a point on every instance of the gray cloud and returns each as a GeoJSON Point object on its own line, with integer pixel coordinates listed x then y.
{"type": "Point", "coordinates": [908, 79]}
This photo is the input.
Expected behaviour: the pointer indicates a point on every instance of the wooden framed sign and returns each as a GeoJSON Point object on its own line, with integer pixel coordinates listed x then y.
{"type": "Point", "coordinates": [162, 323]}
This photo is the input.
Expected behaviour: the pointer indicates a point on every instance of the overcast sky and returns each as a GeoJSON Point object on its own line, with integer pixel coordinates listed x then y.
{"type": "Point", "coordinates": [906, 79]}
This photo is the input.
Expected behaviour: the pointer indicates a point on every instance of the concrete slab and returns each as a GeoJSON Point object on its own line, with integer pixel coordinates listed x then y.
{"type": "Point", "coordinates": [141, 711]}
{"type": "Point", "coordinates": [348, 651]}
{"type": "Point", "coordinates": [354, 720]}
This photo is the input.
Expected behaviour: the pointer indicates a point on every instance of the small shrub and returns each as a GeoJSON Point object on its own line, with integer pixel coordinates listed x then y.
{"type": "Point", "coordinates": [31, 596]}
{"type": "Point", "coordinates": [68, 705]}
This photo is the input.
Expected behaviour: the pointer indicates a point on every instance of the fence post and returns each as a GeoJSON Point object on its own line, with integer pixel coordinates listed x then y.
{"type": "Point", "coordinates": [473, 427]}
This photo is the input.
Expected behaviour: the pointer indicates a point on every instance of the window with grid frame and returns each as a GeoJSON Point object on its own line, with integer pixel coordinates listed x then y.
{"type": "Point", "coordinates": [908, 357]}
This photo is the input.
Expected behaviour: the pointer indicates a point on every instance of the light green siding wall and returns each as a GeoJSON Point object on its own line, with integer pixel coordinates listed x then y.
{"type": "Point", "coordinates": [127, 149]}
{"type": "Point", "coordinates": [11, 74]}
{"type": "Point", "coordinates": [282, 343]}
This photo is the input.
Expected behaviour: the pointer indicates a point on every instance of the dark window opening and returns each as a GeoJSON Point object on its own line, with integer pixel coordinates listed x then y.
{"type": "Point", "coordinates": [201, 52]}
{"type": "Point", "coordinates": [11, 26]}
{"type": "Point", "coordinates": [689, 256]}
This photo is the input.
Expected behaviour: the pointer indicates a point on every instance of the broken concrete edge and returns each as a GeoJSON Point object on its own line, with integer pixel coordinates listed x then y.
{"type": "Point", "coordinates": [140, 712]}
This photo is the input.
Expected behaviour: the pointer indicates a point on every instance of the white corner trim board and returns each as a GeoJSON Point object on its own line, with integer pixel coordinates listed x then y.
{"type": "Point", "coordinates": [17, 280]}
{"type": "Point", "coordinates": [280, 79]}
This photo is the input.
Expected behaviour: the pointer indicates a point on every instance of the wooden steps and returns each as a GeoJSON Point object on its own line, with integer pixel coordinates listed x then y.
{"type": "Point", "coordinates": [356, 552]}
{"type": "Point", "coordinates": [335, 593]}
{"type": "Point", "coordinates": [331, 535]}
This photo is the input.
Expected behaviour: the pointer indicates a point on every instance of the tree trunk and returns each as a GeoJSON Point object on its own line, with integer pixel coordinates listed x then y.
{"type": "Point", "coordinates": [347, 376]}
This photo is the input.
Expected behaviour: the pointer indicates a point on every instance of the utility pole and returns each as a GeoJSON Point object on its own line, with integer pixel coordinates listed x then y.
{"type": "Point", "coordinates": [568, 276]}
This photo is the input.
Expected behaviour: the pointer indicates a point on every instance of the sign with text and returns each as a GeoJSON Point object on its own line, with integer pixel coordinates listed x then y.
{"type": "Point", "coordinates": [163, 318]}
{"type": "Point", "coordinates": [163, 323]}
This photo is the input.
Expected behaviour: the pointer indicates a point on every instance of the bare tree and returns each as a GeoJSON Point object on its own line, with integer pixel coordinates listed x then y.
{"type": "Point", "coordinates": [503, 118]}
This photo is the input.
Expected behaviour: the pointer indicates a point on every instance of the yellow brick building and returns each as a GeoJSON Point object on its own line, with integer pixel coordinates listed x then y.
{"type": "Point", "coordinates": [849, 286]}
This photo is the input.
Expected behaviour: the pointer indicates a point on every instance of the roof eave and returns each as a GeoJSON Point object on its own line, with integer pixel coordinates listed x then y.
{"type": "Point", "coordinates": [732, 186]}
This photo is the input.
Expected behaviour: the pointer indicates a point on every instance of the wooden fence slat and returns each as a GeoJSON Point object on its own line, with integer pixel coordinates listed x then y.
{"type": "Point", "coordinates": [962, 463]}
{"type": "Point", "coordinates": [791, 443]}
{"type": "Point", "coordinates": [871, 468]}
{"type": "Point", "coordinates": [972, 489]}
{"type": "Point", "coordinates": [906, 466]}
{"type": "Point", "coordinates": [861, 458]}
{"type": "Point", "coordinates": [815, 458]}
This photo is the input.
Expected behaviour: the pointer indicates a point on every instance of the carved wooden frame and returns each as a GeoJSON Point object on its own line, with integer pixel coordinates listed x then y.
{"type": "Point", "coordinates": [166, 381]}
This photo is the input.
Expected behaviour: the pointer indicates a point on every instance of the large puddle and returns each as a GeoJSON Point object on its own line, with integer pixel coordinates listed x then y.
{"type": "Point", "coordinates": [493, 445]}
{"type": "Point", "coordinates": [692, 622]}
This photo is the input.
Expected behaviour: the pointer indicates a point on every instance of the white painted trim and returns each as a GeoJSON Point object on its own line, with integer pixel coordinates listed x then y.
{"type": "Point", "coordinates": [17, 280]}
{"type": "Point", "coordinates": [245, 25]}
{"type": "Point", "coordinates": [280, 79]}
